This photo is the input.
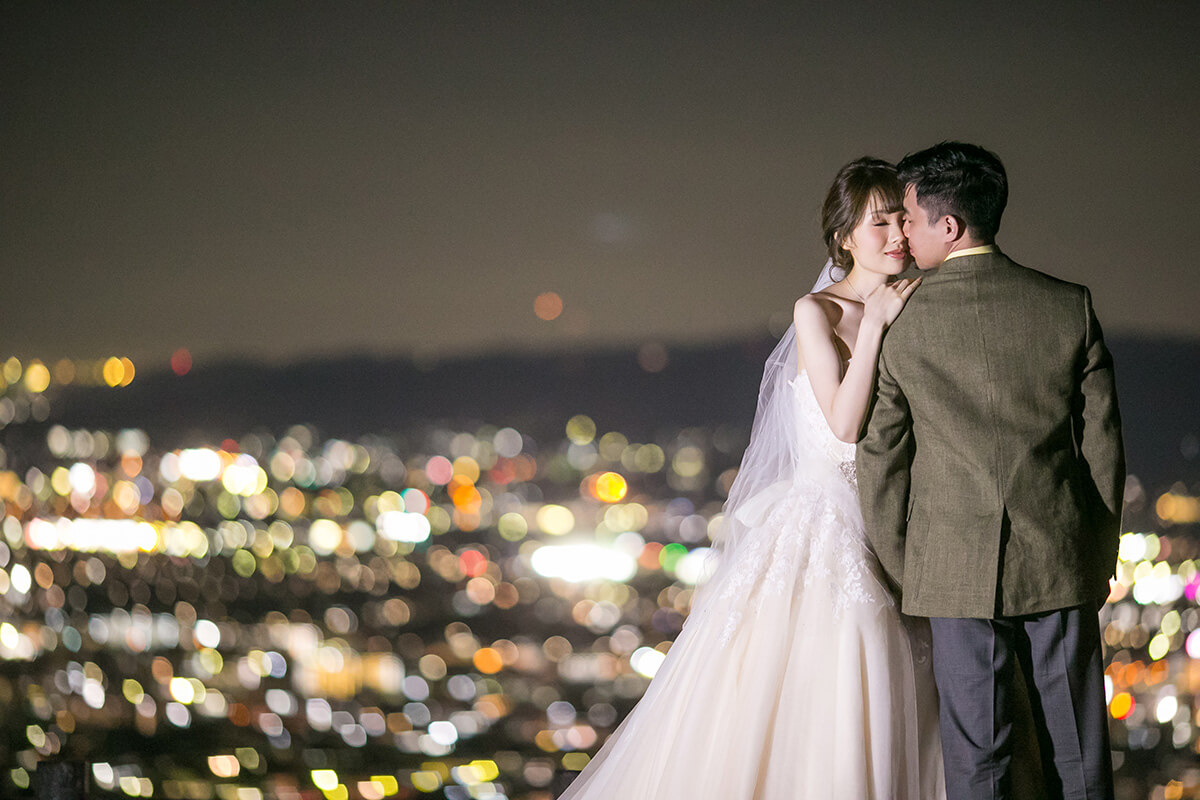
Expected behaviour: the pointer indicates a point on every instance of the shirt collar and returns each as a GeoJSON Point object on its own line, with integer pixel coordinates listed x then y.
{"type": "Point", "coordinates": [972, 251]}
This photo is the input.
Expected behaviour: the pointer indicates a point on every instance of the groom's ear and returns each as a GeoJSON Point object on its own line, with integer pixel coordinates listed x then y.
{"type": "Point", "coordinates": [954, 228]}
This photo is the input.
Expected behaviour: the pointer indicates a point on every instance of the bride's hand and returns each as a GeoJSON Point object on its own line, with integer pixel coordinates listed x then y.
{"type": "Point", "coordinates": [886, 302]}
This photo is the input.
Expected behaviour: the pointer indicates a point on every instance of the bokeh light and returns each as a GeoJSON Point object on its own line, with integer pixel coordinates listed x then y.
{"type": "Point", "coordinates": [548, 306]}
{"type": "Point", "coordinates": [181, 361]}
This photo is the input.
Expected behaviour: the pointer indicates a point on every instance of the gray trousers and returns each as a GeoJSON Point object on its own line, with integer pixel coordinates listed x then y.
{"type": "Point", "coordinates": [1059, 654]}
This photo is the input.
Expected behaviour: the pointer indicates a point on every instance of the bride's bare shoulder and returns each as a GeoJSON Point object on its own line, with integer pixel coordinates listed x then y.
{"type": "Point", "coordinates": [818, 309]}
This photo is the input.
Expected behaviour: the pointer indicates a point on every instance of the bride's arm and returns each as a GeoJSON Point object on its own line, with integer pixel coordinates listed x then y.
{"type": "Point", "coordinates": [844, 398]}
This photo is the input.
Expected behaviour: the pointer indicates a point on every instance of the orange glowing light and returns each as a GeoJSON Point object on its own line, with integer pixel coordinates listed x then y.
{"type": "Point", "coordinates": [488, 661]}
{"type": "Point", "coordinates": [1121, 705]}
{"type": "Point", "coordinates": [649, 558]}
{"type": "Point", "coordinates": [610, 487]}
{"type": "Point", "coordinates": [239, 715]}
{"type": "Point", "coordinates": [131, 464]}
{"type": "Point", "coordinates": [291, 502]}
{"type": "Point", "coordinates": [1178, 508]}
{"type": "Point", "coordinates": [126, 372]}
{"type": "Point", "coordinates": [467, 499]}
{"type": "Point", "coordinates": [548, 306]}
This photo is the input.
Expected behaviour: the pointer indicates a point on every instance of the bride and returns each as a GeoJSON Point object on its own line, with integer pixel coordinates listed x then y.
{"type": "Point", "coordinates": [795, 675]}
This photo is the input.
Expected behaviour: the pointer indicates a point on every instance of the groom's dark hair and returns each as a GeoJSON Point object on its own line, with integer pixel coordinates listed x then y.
{"type": "Point", "coordinates": [960, 180]}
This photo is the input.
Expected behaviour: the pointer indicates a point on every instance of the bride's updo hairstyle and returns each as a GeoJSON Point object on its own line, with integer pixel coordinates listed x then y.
{"type": "Point", "coordinates": [856, 185]}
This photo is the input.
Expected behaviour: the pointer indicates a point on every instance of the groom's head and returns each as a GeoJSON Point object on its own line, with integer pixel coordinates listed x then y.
{"type": "Point", "coordinates": [954, 196]}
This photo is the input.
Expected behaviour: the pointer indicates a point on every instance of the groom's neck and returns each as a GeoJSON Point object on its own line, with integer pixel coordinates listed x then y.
{"type": "Point", "coordinates": [969, 242]}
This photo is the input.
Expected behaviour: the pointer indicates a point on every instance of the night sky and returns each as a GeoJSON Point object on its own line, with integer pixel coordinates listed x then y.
{"type": "Point", "coordinates": [281, 180]}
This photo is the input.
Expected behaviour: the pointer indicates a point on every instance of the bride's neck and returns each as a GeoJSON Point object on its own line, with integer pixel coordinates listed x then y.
{"type": "Point", "coordinates": [864, 281]}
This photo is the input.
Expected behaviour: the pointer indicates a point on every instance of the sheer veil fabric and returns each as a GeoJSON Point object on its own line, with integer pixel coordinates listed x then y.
{"type": "Point", "coordinates": [795, 676]}
{"type": "Point", "coordinates": [774, 453]}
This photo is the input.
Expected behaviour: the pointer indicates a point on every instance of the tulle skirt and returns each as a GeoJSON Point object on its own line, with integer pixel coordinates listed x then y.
{"type": "Point", "coordinates": [819, 690]}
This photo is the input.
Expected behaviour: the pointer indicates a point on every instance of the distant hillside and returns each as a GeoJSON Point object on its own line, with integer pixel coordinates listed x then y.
{"type": "Point", "coordinates": [1158, 381]}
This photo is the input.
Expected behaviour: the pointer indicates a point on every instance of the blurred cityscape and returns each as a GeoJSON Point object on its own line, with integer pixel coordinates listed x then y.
{"type": "Point", "coordinates": [445, 609]}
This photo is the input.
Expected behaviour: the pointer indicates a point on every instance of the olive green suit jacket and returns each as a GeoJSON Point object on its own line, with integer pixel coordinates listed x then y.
{"type": "Point", "coordinates": [991, 471]}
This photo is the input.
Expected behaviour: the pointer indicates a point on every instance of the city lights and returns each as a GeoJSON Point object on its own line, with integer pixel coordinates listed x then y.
{"type": "Point", "coordinates": [455, 613]}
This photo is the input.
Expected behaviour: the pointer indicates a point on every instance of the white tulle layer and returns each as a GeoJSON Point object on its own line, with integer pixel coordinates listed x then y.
{"type": "Point", "coordinates": [794, 677]}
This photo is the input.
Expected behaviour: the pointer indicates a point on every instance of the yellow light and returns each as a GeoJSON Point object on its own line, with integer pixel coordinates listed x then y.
{"type": "Point", "coordinates": [467, 467]}
{"type": "Point", "coordinates": [426, 781]}
{"type": "Point", "coordinates": [132, 690]}
{"type": "Point", "coordinates": [581, 429]}
{"type": "Point", "coordinates": [37, 377]}
{"type": "Point", "coordinates": [512, 526]}
{"type": "Point", "coordinates": [127, 373]}
{"type": "Point", "coordinates": [555, 520]}
{"type": "Point", "coordinates": [12, 370]}
{"type": "Point", "coordinates": [60, 481]}
{"type": "Point", "coordinates": [649, 458]}
{"type": "Point", "coordinates": [114, 371]}
{"type": "Point", "coordinates": [388, 783]}
{"type": "Point", "coordinates": [688, 462]}
{"type": "Point", "coordinates": [324, 779]}
{"type": "Point", "coordinates": [35, 735]}
{"type": "Point", "coordinates": [610, 487]}
{"type": "Point", "coordinates": [247, 757]}
{"type": "Point", "coordinates": [1159, 646]}
{"type": "Point", "coordinates": [575, 761]}
{"type": "Point", "coordinates": [487, 769]}
{"type": "Point", "coordinates": [182, 690]}
{"type": "Point", "coordinates": [9, 637]}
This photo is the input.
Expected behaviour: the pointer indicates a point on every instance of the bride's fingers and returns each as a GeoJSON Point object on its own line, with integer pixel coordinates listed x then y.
{"type": "Point", "coordinates": [910, 288]}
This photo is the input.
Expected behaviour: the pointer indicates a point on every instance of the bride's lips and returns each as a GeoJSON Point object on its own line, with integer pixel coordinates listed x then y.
{"type": "Point", "coordinates": [902, 253]}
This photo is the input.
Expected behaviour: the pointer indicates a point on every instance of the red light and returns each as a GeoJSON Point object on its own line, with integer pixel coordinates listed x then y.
{"type": "Point", "coordinates": [181, 361]}
{"type": "Point", "coordinates": [472, 563]}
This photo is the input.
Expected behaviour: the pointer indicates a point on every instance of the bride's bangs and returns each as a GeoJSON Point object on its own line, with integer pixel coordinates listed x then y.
{"type": "Point", "coordinates": [887, 197]}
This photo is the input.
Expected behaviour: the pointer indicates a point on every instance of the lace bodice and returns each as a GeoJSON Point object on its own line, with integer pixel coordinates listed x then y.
{"type": "Point", "coordinates": [815, 431]}
{"type": "Point", "coordinates": [805, 532]}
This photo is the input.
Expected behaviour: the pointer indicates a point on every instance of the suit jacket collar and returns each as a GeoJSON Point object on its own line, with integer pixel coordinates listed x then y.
{"type": "Point", "coordinates": [968, 263]}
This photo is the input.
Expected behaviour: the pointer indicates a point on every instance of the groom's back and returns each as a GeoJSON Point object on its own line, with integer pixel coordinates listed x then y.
{"type": "Point", "coordinates": [993, 361]}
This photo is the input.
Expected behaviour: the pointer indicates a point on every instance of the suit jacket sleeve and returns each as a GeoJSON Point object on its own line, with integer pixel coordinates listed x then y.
{"type": "Point", "coordinates": [1098, 437]}
{"type": "Point", "coordinates": [884, 459]}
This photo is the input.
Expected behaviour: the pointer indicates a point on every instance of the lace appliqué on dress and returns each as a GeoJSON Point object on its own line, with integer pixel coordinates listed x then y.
{"type": "Point", "coordinates": [812, 539]}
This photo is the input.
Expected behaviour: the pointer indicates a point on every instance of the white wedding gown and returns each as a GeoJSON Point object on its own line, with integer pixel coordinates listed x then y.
{"type": "Point", "coordinates": [795, 675]}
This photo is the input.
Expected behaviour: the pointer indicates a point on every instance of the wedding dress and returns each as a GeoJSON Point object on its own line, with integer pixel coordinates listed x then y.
{"type": "Point", "coordinates": [795, 675]}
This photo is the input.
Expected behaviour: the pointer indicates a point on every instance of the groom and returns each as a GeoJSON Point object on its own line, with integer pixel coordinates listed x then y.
{"type": "Point", "coordinates": [991, 476]}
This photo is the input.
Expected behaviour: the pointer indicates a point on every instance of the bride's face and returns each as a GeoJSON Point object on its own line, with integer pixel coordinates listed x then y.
{"type": "Point", "coordinates": [877, 243]}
